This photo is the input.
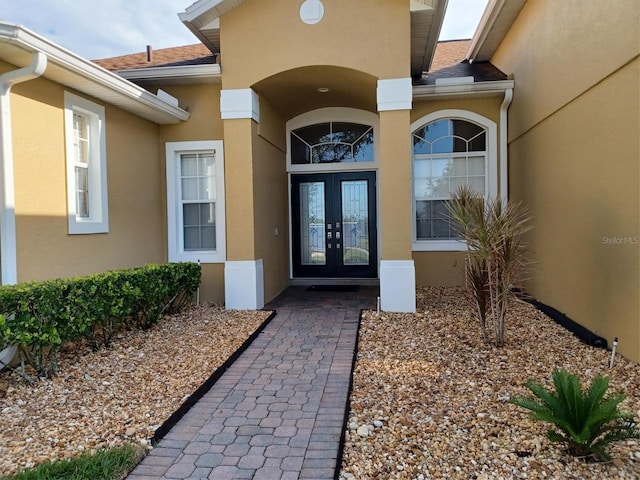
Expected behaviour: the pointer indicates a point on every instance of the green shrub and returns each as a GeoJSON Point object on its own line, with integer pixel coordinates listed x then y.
{"type": "Point", "coordinates": [586, 421]}
{"type": "Point", "coordinates": [40, 317]}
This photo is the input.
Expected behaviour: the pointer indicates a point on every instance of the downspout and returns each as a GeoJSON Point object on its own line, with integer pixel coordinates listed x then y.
{"type": "Point", "coordinates": [8, 251]}
{"type": "Point", "coordinates": [504, 156]}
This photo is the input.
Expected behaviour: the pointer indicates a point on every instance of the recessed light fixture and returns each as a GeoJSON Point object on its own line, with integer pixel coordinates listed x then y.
{"type": "Point", "coordinates": [323, 89]}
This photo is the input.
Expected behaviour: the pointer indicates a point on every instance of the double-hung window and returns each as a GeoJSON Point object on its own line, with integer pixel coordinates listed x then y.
{"type": "Point", "coordinates": [448, 153]}
{"type": "Point", "coordinates": [195, 201]}
{"type": "Point", "coordinates": [87, 204]}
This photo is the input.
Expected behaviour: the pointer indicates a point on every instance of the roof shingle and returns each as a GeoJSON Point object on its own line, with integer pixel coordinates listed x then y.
{"type": "Point", "coordinates": [196, 54]}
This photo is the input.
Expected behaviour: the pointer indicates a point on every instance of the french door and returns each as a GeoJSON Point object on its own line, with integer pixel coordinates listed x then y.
{"type": "Point", "coordinates": [334, 225]}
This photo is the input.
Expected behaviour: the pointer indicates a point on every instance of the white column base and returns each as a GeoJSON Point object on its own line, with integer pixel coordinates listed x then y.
{"type": "Point", "coordinates": [243, 285]}
{"type": "Point", "coordinates": [397, 286]}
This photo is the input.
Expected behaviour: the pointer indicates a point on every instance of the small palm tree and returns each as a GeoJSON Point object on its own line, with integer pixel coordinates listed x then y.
{"type": "Point", "coordinates": [586, 421]}
{"type": "Point", "coordinates": [494, 233]}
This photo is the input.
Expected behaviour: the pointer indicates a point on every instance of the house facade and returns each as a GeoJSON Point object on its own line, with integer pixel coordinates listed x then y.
{"type": "Point", "coordinates": [313, 142]}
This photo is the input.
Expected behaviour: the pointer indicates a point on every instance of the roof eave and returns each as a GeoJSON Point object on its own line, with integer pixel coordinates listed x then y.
{"type": "Point", "coordinates": [494, 24]}
{"type": "Point", "coordinates": [478, 89]}
{"type": "Point", "coordinates": [432, 41]}
{"type": "Point", "coordinates": [75, 72]}
{"type": "Point", "coordinates": [209, 73]}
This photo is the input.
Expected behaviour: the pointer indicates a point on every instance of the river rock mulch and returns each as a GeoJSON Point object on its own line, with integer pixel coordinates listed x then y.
{"type": "Point", "coordinates": [430, 399]}
{"type": "Point", "coordinates": [118, 394]}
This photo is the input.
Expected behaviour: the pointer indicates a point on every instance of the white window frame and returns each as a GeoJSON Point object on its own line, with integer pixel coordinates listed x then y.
{"type": "Point", "coordinates": [491, 173]}
{"type": "Point", "coordinates": [175, 228]}
{"type": "Point", "coordinates": [98, 219]}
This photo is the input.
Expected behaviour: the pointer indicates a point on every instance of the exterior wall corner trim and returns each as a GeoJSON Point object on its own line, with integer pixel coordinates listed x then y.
{"type": "Point", "coordinates": [239, 103]}
{"type": "Point", "coordinates": [394, 94]}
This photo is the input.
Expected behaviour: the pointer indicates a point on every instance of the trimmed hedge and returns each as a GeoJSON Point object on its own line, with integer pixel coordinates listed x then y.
{"type": "Point", "coordinates": [40, 317]}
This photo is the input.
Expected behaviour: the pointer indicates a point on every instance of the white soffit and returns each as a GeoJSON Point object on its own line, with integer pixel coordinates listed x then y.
{"type": "Point", "coordinates": [426, 22]}
{"type": "Point", "coordinates": [17, 45]}
{"type": "Point", "coordinates": [203, 19]}
{"type": "Point", "coordinates": [493, 27]}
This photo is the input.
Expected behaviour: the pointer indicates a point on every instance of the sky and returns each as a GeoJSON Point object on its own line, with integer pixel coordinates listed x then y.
{"type": "Point", "coordinates": [106, 28]}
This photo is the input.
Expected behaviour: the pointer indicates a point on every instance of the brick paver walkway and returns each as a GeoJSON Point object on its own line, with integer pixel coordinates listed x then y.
{"type": "Point", "coordinates": [278, 411]}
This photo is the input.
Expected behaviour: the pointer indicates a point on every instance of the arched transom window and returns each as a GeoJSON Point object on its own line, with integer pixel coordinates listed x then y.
{"type": "Point", "coordinates": [447, 153]}
{"type": "Point", "coordinates": [332, 142]}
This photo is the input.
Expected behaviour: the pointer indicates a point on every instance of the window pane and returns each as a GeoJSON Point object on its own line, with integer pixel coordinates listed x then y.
{"type": "Point", "coordinates": [300, 151]}
{"type": "Point", "coordinates": [191, 214]}
{"type": "Point", "coordinates": [315, 134]}
{"type": "Point", "coordinates": [207, 214]}
{"type": "Point", "coordinates": [208, 238]}
{"type": "Point", "coordinates": [433, 221]}
{"type": "Point", "coordinates": [348, 132]}
{"type": "Point", "coordinates": [82, 191]}
{"type": "Point", "coordinates": [81, 138]}
{"type": "Point", "coordinates": [189, 165]}
{"type": "Point", "coordinates": [476, 165]}
{"type": "Point", "coordinates": [192, 238]}
{"type": "Point", "coordinates": [443, 145]}
{"type": "Point", "coordinates": [459, 167]}
{"type": "Point", "coordinates": [190, 188]}
{"type": "Point", "coordinates": [199, 226]}
{"type": "Point", "coordinates": [363, 148]}
{"type": "Point", "coordinates": [331, 153]}
{"type": "Point", "coordinates": [478, 144]}
{"type": "Point", "coordinates": [477, 184]}
{"type": "Point", "coordinates": [441, 167]}
{"type": "Point", "coordinates": [420, 146]}
{"type": "Point", "coordinates": [465, 130]}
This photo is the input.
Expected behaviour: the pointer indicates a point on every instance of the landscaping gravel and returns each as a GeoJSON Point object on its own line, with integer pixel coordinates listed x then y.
{"type": "Point", "coordinates": [118, 394]}
{"type": "Point", "coordinates": [430, 398]}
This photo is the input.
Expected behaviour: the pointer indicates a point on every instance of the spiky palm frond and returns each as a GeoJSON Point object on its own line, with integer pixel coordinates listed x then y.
{"type": "Point", "coordinates": [587, 421]}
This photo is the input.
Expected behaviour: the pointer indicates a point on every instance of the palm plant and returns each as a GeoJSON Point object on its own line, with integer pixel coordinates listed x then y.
{"type": "Point", "coordinates": [496, 258]}
{"type": "Point", "coordinates": [586, 421]}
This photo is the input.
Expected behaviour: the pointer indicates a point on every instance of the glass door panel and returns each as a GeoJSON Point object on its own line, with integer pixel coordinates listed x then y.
{"type": "Point", "coordinates": [355, 222]}
{"type": "Point", "coordinates": [312, 218]}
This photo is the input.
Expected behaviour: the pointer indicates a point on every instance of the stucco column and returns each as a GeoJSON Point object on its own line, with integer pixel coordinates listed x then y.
{"type": "Point", "coordinates": [397, 270]}
{"type": "Point", "coordinates": [244, 277]}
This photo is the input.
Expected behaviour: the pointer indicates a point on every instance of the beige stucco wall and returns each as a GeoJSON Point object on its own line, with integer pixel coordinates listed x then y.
{"type": "Point", "coordinates": [203, 103]}
{"type": "Point", "coordinates": [44, 248]}
{"type": "Point", "coordinates": [439, 268]}
{"type": "Point", "coordinates": [271, 201]}
{"type": "Point", "coordinates": [367, 35]}
{"type": "Point", "coordinates": [574, 153]}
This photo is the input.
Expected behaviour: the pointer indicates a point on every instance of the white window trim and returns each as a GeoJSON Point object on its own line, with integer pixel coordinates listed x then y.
{"type": "Point", "coordinates": [174, 228]}
{"type": "Point", "coordinates": [98, 221]}
{"type": "Point", "coordinates": [334, 114]}
{"type": "Point", "coordinates": [491, 173]}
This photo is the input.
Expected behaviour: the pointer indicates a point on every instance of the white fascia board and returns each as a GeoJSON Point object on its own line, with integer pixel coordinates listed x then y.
{"type": "Point", "coordinates": [394, 94]}
{"type": "Point", "coordinates": [487, 20]}
{"type": "Point", "coordinates": [207, 71]}
{"type": "Point", "coordinates": [198, 8]}
{"type": "Point", "coordinates": [239, 103]}
{"type": "Point", "coordinates": [479, 89]}
{"type": "Point", "coordinates": [85, 70]}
